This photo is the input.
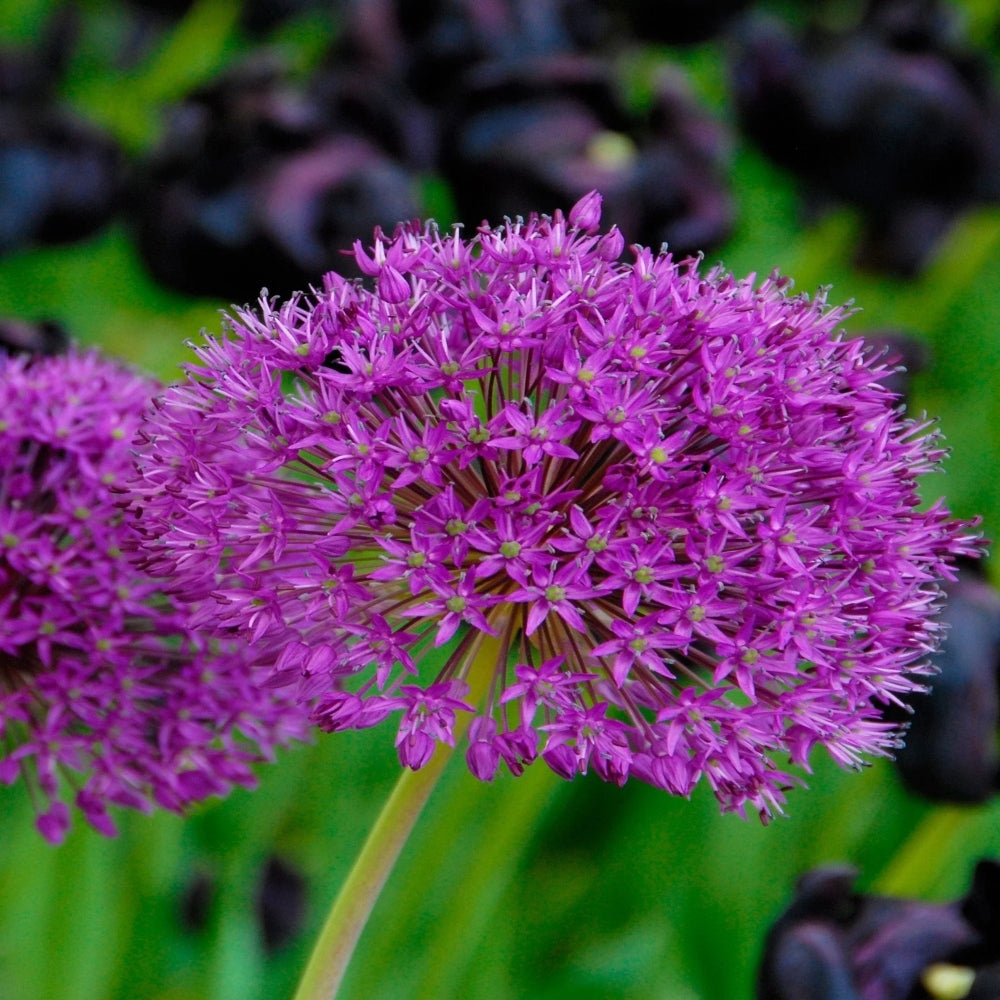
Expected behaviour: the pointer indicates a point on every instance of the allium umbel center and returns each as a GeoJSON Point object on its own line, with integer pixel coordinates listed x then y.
{"type": "Point", "coordinates": [683, 509]}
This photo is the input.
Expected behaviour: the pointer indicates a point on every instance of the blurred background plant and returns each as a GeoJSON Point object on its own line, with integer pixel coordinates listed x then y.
{"type": "Point", "coordinates": [160, 161]}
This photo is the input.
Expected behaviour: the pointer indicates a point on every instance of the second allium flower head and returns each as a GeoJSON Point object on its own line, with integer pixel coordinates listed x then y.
{"type": "Point", "coordinates": [682, 509]}
{"type": "Point", "coordinates": [107, 696]}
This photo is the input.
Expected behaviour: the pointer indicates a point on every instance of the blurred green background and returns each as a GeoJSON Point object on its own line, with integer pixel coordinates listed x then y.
{"type": "Point", "coordinates": [528, 888]}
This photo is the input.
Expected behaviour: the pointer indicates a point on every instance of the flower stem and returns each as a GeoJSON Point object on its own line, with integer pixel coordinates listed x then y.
{"type": "Point", "coordinates": [353, 905]}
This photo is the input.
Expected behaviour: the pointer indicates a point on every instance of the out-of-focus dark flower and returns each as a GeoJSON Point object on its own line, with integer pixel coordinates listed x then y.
{"type": "Point", "coordinates": [349, 99]}
{"type": "Point", "coordinates": [684, 199]}
{"type": "Point", "coordinates": [834, 943]}
{"type": "Point", "coordinates": [261, 16]}
{"type": "Point", "coordinates": [44, 337]}
{"type": "Point", "coordinates": [545, 132]}
{"type": "Point", "coordinates": [196, 901]}
{"type": "Point", "coordinates": [951, 752]}
{"type": "Point", "coordinates": [173, 9]}
{"type": "Point", "coordinates": [60, 176]}
{"type": "Point", "coordinates": [258, 183]}
{"type": "Point", "coordinates": [30, 75]}
{"type": "Point", "coordinates": [913, 25]}
{"type": "Point", "coordinates": [531, 115]}
{"type": "Point", "coordinates": [676, 22]}
{"type": "Point", "coordinates": [890, 118]}
{"type": "Point", "coordinates": [428, 45]}
{"type": "Point", "coordinates": [281, 903]}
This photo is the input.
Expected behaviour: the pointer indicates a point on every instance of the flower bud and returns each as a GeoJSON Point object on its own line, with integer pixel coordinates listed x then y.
{"type": "Point", "coordinates": [586, 213]}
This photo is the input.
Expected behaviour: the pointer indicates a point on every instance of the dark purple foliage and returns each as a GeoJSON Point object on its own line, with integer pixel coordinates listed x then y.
{"type": "Point", "coordinates": [259, 183]}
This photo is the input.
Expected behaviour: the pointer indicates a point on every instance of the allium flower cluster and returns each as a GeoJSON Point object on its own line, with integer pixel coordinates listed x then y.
{"type": "Point", "coordinates": [107, 696]}
{"type": "Point", "coordinates": [674, 514]}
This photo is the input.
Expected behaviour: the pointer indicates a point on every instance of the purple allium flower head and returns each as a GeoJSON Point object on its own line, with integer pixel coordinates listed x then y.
{"type": "Point", "coordinates": [684, 509]}
{"type": "Point", "coordinates": [106, 693]}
